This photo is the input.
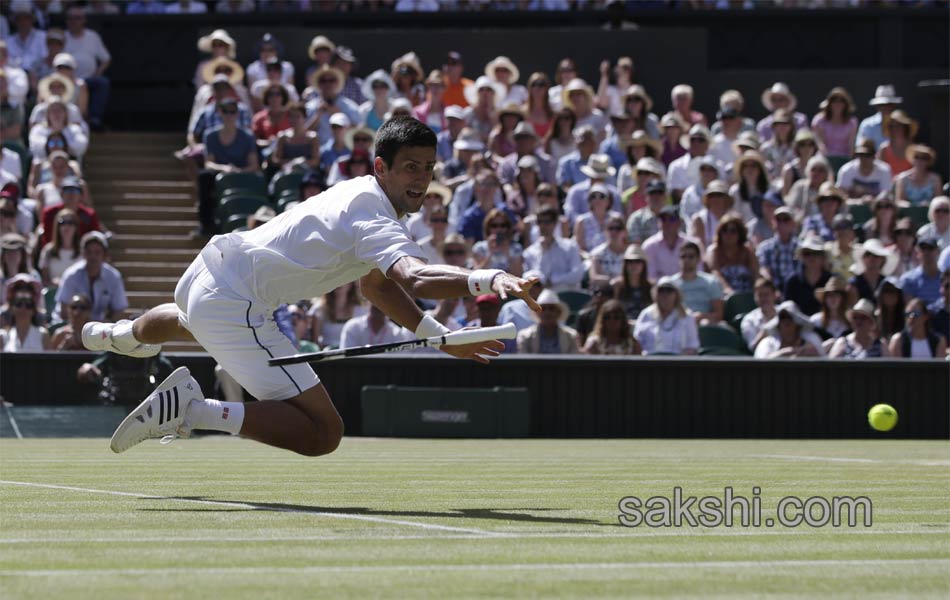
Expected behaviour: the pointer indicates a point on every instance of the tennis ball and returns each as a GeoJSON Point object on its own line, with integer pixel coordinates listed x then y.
{"type": "Point", "coordinates": [882, 417]}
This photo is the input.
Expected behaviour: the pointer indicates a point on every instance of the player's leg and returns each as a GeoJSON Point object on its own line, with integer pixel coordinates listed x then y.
{"type": "Point", "coordinates": [160, 325]}
{"type": "Point", "coordinates": [307, 424]}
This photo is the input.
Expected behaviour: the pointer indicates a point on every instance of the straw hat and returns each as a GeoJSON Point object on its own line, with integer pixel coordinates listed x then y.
{"type": "Point", "coordinates": [839, 92]}
{"type": "Point", "coordinates": [885, 94]}
{"type": "Point", "coordinates": [502, 62]}
{"type": "Point", "coordinates": [829, 190]}
{"type": "Point", "coordinates": [398, 104]}
{"type": "Point", "coordinates": [668, 282]}
{"type": "Point", "coordinates": [361, 130]}
{"type": "Point", "coordinates": [804, 135]}
{"type": "Point", "coordinates": [782, 115]}
{"type": "Point", "coordinates": [698, 162]}
{"type": "Point", "coordinates": [876, 247]}
{"type": "Point", "coordinates": [810, 243]}
{"type": "Point", "coordinates": [548, 298]}
{"type": "Point", "coordinates": [377, 75]}
{"type": "Point", "coordinates": [835, 284]}
{"type": "Point", "coordinates": [651, 165]}
{"type": "Point", "coordinates": [483, 82]}
{"type": "Point", "coordinates": [671, 119]}
{"type": "Point", "coordinates": [921, 149]}
{"type": "Point", "coordinates": [411, 61]}
{"type": "Point", "coordinates": [320, 41]}
{"type": "Point", "coordinates": [328, 70]}
{"type": "Point", "coordinates": [781, 89]}
{"type": "Point", "coordinates": [218, 35]}
{"type": "Point", "coordinates": [640, 138]}
{"type": "Point", "coordinates": [696, 131]}
{"type": "Point", "coordinates": [731, 97]}
{"type": "Point", "coordinates": [575, 85]}
{"type": "Point", "coordinates": [209, 68]}
{"type": "Point", "coordinates": [441, 190]}
{"type": "Point", "coordinates": [43, 87]}
{"type": "Point", "coordinates": [902, 118]}
{"type": "Point", "coordinates": [511, 109]}
{"type": "Point", "coordinates": [468, 139]}
{"type": "Point", "coordinates": [749, 156]}
{"type": "Point", "coordinates": [717, 187]}
{"type": "Point", "coordinates": [634, 252]}
{"type": "Point", "coordinates": [638, 91]}
{"type": "Point", "coordinates": [746, 139]}
{"type": "Point", "coordinates": [791, 309]}
{"type": "Point", "coordinates": [862, 306]}
{"type": "Point", "coordinates": [21, 280]}
{"type": "Point", "coordinates": [598, 167]}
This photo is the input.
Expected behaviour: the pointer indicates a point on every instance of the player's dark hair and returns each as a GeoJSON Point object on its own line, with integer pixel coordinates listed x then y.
{"type": "Point", "coordinates": [400, 132]}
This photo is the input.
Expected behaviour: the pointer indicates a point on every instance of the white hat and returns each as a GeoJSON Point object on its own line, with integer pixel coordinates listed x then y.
{"type": "Point", "coordinates": [468, 140]}
{"type": "Point", "coordinates": [64, 59]}
{"type": "Point", "coordinates": [340, 119]}
{"type": "Point", "coordinates": [505, 63]}
{"type": "Point", "coordinates": [877, 248]}
{"type": "Point", "coordinates": [398, 104]}
{"type": "Point", "coordinates": [455, 112]}
{"type": "Point", "coordinates": [529, 162]}
{"type": "Point", "coordinates": [598, 167]}
{"type": "Point", "coordinates": [320, 41]}
{"type": "Point", "coordinates": [651, 165]}
{"type": "Point", "coordinates": [599, 188]}
{"type": "Point", "coordinates": [791, 309]}
{"type": "Point", "coordinates": [575, 85]}
{"type": "Point", "coordinates": [377, 75]}
{"type": "Point", "coordinates": [548, 297]}
{"type": "Point", "coordinates": [471, 92]}
{"type": "Point", "coordinates": [218, 35]}
{"type": "Point", "coordinates": [885, 94]}
{"type": "Point", "coordinates": [782, 89]}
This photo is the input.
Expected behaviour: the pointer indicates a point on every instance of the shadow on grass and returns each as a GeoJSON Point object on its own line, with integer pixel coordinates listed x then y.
{"type": "Point", "coordinates": [494, 514]}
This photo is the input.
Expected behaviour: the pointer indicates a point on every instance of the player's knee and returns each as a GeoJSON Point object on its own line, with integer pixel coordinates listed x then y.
{"type": "Point", "coordinates": [327, 439]}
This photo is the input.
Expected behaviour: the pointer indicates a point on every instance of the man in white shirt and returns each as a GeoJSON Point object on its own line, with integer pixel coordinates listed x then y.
{"type": "Point", "coordinates": [355, 230]}
{"type": "Point", "coordinates": [27, 48]}
{"type": "Point", "coordinates": [558, 259]}
{"type": "Point", "coordinates": [92, 60]}
{"type": "Point", "coordinates": [372, 328]}
{"type": "Point", "coordinates": [18, 84]}
{"type": "Point", "coordinates": [677, 176]}
{"type": "Point", "coordinates": [864, 177]}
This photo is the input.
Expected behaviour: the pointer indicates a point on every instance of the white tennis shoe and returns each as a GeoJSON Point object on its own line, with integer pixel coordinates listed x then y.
{"type": "Point", "coordinates": [98, 336]}
{"type": "Point", "coordinates": [161, 415]}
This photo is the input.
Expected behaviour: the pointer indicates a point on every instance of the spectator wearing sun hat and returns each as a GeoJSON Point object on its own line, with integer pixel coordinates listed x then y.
{"type": "Point", "coordinates": [502, 70]}
{"type": "Point", "coordinates": [269, 49]}
{"type": "Point", "coordinates": [924, 281]}
{"type": "Point", "coordinates": [672, 128]}
{"type": "Point", "coordinates": [645, 222]}
{"type": "Point", "coordinates": [790, 334]}
{"type": "Point", "coordinates": [873, 262]}
{"type": "Point", "coordinates": [732, 102]}
{"type": "Point", "coordinates": [549, 335]}
{"type": "Point", "coordinates": [621, 130]}
{"type": "Point", "coordinates": [801, 197]}
{"type": "Point", "coordinates": [378, 89]}
{"type": "Point", "coordinates": [812, 274]}
{"type": "Point", "coordinates": [918, 185]}
{"type": "Point", "coordinates": [776, 97]}
{"type": "Point", "coordinates": [328, 83]}
{"type": "Point", "coordinates": [901, 131]}
{"type": "Point", "coordinates": [596, 171]}
{"type": "Point", "coordinates": [938, 215]}
{"type": "Point", "coordinates": [454, 124]}
{"type": "Point", "coordinates": [484, 98]}
{"type": "Point", "coordinates": [865, 339]}
{"type": "Point", "coordinates": [344, 60]}
{"type": "Point", "coordinates": [526, 145]}
{"type": "Point", "coordinates": [864, 177]}
{"type": "Point", "coordinates": [579, 97]}
{"type": "Point", "coordinates": [455, 83]}
{"type": "Point", "coordinates": [717, 203]}
{"type": "Point", "coordinates": [885, 101]}
{"type": "Point", "coordinates": [634, 195]}
{"type": "Point", "coordinates": [223, 82]}
{"type": "Point", "coordinates": [830, 200]}
{"type": "Point", "coordinates": [320, 52]}
{"type": "Point", "coordinates": [677, 175]}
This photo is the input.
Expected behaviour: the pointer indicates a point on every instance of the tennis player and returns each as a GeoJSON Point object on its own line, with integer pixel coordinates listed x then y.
{"type": "Point", "coordinates": [226, 298]}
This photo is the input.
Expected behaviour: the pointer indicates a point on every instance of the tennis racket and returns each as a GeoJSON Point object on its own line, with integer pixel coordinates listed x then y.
{"type": "Point", "coordinates": [457, 338]}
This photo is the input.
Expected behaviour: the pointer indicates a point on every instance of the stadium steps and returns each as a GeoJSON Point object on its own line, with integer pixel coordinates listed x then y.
{"type": "Point", "coordinates": [143, 196]}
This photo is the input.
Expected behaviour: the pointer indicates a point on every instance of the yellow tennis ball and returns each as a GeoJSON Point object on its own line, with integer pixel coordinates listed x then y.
{"type": "Point", "coordinates": [882, 417]}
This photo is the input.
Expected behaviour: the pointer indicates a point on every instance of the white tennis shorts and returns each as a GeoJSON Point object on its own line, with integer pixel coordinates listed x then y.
{"type": "Point", "coordinates": [240, 334]}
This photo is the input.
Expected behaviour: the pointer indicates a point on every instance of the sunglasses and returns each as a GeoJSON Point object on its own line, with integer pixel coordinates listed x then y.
{"type": "Point", "coordinates": [807, 253]}
{"type": "Point", "coordinates": [453, 252]}
{"type": "Point", "coordinates": [362, 140]}
{"type": "Point", "coordinates": [730, 230]}
{"type": "Point", "coordinates": [24, 303]}
{"type": "Point", "coordinates": [56, 143]}
{"type": "Point", "coordinates": [598, 196]}
{"type": "Point", "coordinates": [79, 307]}
{"type": "Point", "coordinates": [539, 84]}
{"type": "Point", "coordinates": [326, 81]}
{"type": "Point", "coordinates": [859, 318]}
{"type": "Point", "coordinates": [669, 218]}
{"type": "Point", "coordinates": [614, 317]}
{"type": "Point", "coordinates": [498, 225]}
{"type": "Point", "coordinates": [379, 85]}
{"type": "Point", "coordinates": [615, 228]}
{"type": "Point", "coordinates": [66, 222]}
{"type": "Point", "coordinates": [689, 256]}
{"type": "Point", "coordinates": [550, 195]}
{"type": "Point", "coordinates": [229, 111]}
{"type": "Point", "coordinates": [547, 221]}
{"type": "Point", "coordinates": [439, 220]}
{"type": "Point", "coordinates": [914, 313]}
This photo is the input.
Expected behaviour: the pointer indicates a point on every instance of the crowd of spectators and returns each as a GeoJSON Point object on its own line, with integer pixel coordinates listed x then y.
{"type": "Point", "coordinates": [652, 228]}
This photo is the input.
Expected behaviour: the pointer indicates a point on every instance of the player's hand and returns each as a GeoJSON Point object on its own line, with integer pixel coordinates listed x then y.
{"type": "Point", "coordinates": [605, 67]}
{"type": "Point", "coordinates": [506, 284]}
{"type": "Point", "coordinates": [479, 352]}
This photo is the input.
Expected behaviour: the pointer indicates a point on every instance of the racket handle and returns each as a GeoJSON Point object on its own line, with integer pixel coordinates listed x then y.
{"type": "Point", "coordinates": [483, 334]}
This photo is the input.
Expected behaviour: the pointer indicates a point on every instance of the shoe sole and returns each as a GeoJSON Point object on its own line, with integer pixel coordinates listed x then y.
{"type": "Point", "coordinates": [179, 375]}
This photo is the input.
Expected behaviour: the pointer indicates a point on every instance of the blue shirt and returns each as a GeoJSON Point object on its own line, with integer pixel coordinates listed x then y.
{"type": "Point", "coordinates": [871, 128]}
{"type": "Point", "coordinates": [107, 292]}
{"type": "Point", "coordinates": [699, 293]}
{"type": "Point", "coordinates": [569, 169]}
{"type": "Point", "coordinates": [347, 107]}
{"type": "Point", "coordinates": [235, 153]}
{"type": "Point", "coordinates": [471, 226]}
{"type": "Point", "coordinates": [211, 119]}
{"type": "Point", "coordinates": [917, 284]}
{"type": "Point", "coordinates": [611, 147]}
{"type": "Point", "coordinates": [816, 224]}
{"type": "Point", "coordinates": [329, 155]}
{"type": "Point", "coordinates": [443, 145]}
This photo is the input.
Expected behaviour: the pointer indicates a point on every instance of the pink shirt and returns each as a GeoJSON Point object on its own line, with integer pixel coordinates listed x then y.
{"type": "Point", "coordinates": [836, 135]}
{"type": "Point", "coordinates": [661, 259]}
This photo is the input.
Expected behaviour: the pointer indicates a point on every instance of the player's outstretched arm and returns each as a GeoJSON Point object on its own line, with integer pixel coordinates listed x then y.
{"type": "Point", "coordinates": [443, 281]}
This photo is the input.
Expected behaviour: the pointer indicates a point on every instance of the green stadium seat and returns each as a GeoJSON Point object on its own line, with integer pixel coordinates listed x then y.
{"type": "Point", "coordinates": [251, 184]}
{"type": "Point", "coordinates": [740, 302]}
{"type": "Point", "coordinates": [719, 339]}
{"type": "Point", "coordinates": [236, 222]}
{"type": "Point", "coordinates": [239, 205]}
{"type": "Point", "coordinates": [283, 182]}
{"type": "Point", "coordinates": [836, 163]}
{"type": "Point", "coordinates": [917, 215]}
{"type": "Point", "coordinates": [49, 299]}
{"type": "Point", "coordinates": [860, 213]}
{"type": "Point", "coordinates": [575, 299]}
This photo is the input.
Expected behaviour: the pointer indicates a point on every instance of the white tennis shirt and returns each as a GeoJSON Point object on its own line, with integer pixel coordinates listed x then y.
{"type": "Point", "coordinates": [330, 239]}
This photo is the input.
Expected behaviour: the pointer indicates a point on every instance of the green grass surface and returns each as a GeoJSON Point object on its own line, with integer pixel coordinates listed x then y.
{"type": "Point", "coordinates": [226, 518]}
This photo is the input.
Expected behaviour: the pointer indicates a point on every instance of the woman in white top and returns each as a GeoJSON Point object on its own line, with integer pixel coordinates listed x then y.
{"type": "Point", "coordinates": [917, 341]}
{"type": "Point", "coordinates": [498, 250]}
{"type": "Point", "coordinates": [333, 310]}
{"type": "Point", "coordinates": [26, 335]}
{"type": "Point", "coordinates": [790, 335]}
{"type": "Point", "coordinates": [718, 203]}
{"type": "Point", "coordinates": [559, 142]}
{"type": "Point", "coordinates": [590, 228]}
{"type": "Point", "coordinates": [503, 71]}
{"type": "Point", "coordinates": [437, 219]}
{"type": "Point", "coordinates": [59, 254]}
{"type": "Point", "coordinates": [57, 121]}
{"type": "Point", "coordinates": [665, 327]}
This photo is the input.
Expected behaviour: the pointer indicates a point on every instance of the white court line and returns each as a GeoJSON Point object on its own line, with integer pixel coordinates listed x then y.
{"type": "Point", "coordinates": [627, 534]}
{"type": "Point", "coordinates": [13, 424]}
{"type": "Point", "coordinates": [921, 462]}
{"type": "Point", "coordinates": [331, 515]}
{"type": "Point", "coordinates": [429, 568]}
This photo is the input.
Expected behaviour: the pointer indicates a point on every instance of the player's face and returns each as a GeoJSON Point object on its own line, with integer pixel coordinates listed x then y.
{"type": "Point", "coordinates": [406, 182]}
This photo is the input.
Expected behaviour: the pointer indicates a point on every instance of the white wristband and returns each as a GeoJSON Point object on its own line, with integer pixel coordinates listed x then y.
{"type": "Point", "coordinates": [429, 327]}
{"type": "Point", "coordinates": [479, 281]}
